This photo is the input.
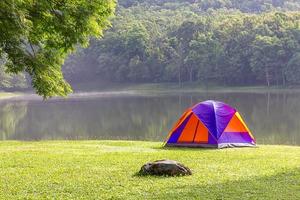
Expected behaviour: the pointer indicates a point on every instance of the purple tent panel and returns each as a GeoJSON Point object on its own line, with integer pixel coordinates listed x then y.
{"type": "Point", "coordinates": [235, 137]}
{"type": "Point", "coordinates": [214, 115]}
{"type": "Point", "coordinates": [205, 112]}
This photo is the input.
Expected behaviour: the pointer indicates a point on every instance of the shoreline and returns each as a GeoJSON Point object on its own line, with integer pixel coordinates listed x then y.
{"type": "Point", "coordinates": [8, 95]}
{"type": "Point", "coordinates": [151, 90]}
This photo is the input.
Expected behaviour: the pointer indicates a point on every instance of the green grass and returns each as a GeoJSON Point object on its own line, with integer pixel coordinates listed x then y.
{"type": "Point", "coordinates": [106, 170]}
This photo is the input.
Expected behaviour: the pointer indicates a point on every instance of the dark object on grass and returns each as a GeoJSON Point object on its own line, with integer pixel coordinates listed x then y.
{"type": "Point", "coordinates": [165, 168]}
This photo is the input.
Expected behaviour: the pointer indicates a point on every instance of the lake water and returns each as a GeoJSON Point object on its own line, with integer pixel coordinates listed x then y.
{"type": "Point", "coordinates": [273, 117]}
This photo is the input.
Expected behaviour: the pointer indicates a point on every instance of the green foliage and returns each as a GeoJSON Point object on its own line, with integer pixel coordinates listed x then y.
{"type": "Point", "coordinates": [256, 6]}
{"type": "Point", "coordinates": [36, 36]}
{"type": "Point", "coordinates": [11, 81]}
{"type": "Point", "coordinates": [224, 42]}
{"type": "Point", "coordinates": [293, 69]}
{"type": "Point", "coordinates": [228, 48]}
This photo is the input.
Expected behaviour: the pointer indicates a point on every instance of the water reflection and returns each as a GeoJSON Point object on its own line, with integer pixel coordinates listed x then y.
{"type": "Point", "coordinates": [10, 116]}
{"type": "Point", "coordinates": [274, 118]}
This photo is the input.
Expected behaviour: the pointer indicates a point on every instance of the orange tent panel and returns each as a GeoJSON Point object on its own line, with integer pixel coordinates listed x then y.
{"type": "Point", "coordinates": [235, 125]}
{"type": "Point", "coordinates": [201, 135]}
{"type": "Point", "coordinates": [179, 122]}
{"type": "Point", "coordinates": [242, 121]}
{"type": "Point", "coordinates": [187, 135]}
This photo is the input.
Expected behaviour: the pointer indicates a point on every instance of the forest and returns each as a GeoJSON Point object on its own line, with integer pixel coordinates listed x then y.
{"type": "Point", "coordinates": [219, 42]}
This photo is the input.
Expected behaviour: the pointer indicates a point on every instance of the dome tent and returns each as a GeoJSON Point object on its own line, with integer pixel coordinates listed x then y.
{"type": "Point", "coordinates": [210, 124]}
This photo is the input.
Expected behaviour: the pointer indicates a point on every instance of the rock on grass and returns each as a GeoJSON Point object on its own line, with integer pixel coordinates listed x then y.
{"type": "Point", "coordinates": [165, 168]}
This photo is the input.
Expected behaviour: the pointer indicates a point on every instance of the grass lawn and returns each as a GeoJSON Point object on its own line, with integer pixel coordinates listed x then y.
{"type": "Point", "coordinates": [106, 170]}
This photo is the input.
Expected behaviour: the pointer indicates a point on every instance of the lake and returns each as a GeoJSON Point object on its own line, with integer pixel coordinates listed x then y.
{"type": "Point", "coordinates": [273, 117]}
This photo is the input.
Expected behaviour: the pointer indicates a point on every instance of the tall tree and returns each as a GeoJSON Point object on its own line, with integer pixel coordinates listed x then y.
{"type": "Point", "coordinates": [292, 70]}
{"type": "Point", "coordinates": [36, 36]}
{"type": "Point", "coordinates": [265, 49]}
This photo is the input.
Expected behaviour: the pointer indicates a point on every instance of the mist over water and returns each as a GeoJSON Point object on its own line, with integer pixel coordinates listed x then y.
{"type": "Point", "coordinates": [274, 118]}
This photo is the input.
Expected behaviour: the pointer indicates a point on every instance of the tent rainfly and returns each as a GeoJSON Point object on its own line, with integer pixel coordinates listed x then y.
{"type": "Point", "coordinates": [210, 124]}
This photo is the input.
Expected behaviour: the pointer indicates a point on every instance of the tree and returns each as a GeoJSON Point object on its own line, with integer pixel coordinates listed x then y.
{"type": "Point", "coordinates": [206, 53]}
{"type": "Point", "coordinates": [265, 49]}
{"type": "Point", "coordinates": [292, 71]}
{"type": "Point", "coordinates": [36, 36]}
{"type": "Point", "coordinates": [9, 80]}
{"type": "Point", "coordinates": [175, 44]}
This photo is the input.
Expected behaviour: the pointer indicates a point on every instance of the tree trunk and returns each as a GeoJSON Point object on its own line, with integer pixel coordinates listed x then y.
{"type": "Point", "coordinates": [277, 78]}
{"type": "Point", "coordinates": [180, 62]}
{"type": "Point", "coordinates": [179, 76]}
{"type": "Point", "coordinates": [267, 76]}
{"type": "Point", "coordinates": [283, 78]}
{"type": "Point", "coordinates": [191, 75]}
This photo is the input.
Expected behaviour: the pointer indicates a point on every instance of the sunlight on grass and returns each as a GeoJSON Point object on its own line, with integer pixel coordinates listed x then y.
{"type": "Point", "coordinates": [106, 170]}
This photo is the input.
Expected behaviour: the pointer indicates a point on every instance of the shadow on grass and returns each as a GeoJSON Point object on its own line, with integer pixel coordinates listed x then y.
{"type": "Point", "coordinates": [185, 148]}
{"type": "Point", "coordinates": [285, 185]}
{"type": "Point", "coordinates": [141, 175]}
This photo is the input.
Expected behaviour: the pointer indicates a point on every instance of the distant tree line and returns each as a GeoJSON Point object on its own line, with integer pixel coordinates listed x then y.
{"type": "Point", "coordinates": [227, 47]}
{"type": "Point", "coordinates": [228, 42]}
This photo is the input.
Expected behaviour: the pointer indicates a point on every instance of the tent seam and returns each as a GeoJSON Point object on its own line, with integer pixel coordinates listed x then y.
{"type": "Point", "coordinates": [206, 128]}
